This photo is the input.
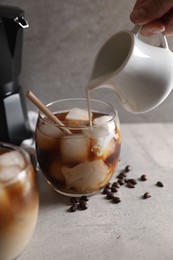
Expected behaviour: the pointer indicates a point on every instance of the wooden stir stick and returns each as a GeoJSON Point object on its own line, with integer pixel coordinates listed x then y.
{"type": "Point", "coordinates": [30, 95]}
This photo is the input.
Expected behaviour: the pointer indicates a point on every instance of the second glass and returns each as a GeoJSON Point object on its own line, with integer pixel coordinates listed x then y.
{"type": "Point", "coordinates": [19, 201]}
{"type": "Point", "coordinates": [82, 160]}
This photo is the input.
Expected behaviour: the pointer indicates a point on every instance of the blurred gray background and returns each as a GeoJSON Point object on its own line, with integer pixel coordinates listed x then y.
{"type": "Point", "coordinates": [61, 43]}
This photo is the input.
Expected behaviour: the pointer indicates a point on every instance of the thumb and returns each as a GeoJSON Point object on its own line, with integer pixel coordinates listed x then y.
{"type": "Point", "coordinates": [147, 11]}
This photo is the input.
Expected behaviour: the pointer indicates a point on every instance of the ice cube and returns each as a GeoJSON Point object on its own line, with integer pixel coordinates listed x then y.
{"type": "Point", "coordinates": [104, 124]}
{"type": "Point", "coordinates": [102, 120]}
{"type": "Point", "coordinates": [109, 149]}
{"type": "Point", "coordinates": [101, 127]}
{"type": "Point", "coordinates": [47, 136]}
{"type": "Point", "coordinates": [74, 148]}
{"type": "Point", "coordinates": [77, 116]}
{"type": "Point", "coordinates": [86, 177]}
{"type": "Point", "coordinates": [50, 130]}
{"type": "Point", "coordinates": [100, 144]}
{"type": "Point", "coordinates": [55, 171]}
{"type": "Point", "coordinates": [12, 158]}
{"type": "Point", "coordinates": [9, 172]}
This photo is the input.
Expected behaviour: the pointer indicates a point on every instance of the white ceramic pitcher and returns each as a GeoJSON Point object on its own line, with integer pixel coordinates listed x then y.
{"type": "Point", "coordinates": [141, 74]}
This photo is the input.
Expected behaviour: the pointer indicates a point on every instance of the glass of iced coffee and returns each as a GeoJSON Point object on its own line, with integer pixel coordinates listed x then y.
{"type": "Point", "coordinates": [80, 157]}
{"type": "Point", "coordinates": [18, 201]}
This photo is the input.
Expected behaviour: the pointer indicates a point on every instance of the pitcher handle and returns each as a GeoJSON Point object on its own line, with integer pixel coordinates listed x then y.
{"type": "Point", "coordinates": [163, 41]}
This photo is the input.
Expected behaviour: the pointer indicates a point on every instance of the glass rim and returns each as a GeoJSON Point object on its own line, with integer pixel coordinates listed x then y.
{"type": "Point", "coordinates": [13, 147]}
{"type": "Point", "coordinates": [114, 117]}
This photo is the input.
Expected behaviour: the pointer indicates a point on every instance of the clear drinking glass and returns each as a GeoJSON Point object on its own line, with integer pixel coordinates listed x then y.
{"type": "Point", "coordinates": [83, 159]}
{"type": "Point", "coordinates": [18, 201]}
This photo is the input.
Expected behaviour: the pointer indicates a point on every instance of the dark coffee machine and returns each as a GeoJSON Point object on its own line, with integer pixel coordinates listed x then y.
{"type": "Point", "coordinates": [14, 125]}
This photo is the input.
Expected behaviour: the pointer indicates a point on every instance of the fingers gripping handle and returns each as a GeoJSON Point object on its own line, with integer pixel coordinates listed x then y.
{"type": "Point", "coordinates": [163, 41]}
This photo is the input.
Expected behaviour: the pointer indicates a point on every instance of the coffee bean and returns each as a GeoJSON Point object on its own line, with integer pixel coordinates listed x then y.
{"type": "Point", "coordinates": [146, 195]}
{"type": "Point", "coordinates": [73, 208]}
{"type": "Point", "coordinates": [82, 205]}
{"type": "Point", "coordinates": [143, 177]}
{"type": "Point", "coordinates": [116, 199]}
{"type": "Point", "coordinates": [121, 175]}
{"type": "Point", "coordinates": [109, 195]}
{"type": "Point", "coordinates": [159, 184]}
{"type": "Point", "coordinates": [128, 168]}
{"type": "Point", "coordinates": [108, 185]}
{"type": "Point", "coordinates": [73, 200]}
{"type": "Point", "coordinates": [106, 190]}
{"type": "Point", "coordinates": [132, 181]}
{"type": "Point", "coordinates": [84, 198]}
{"type": "Point", "coordinates": [115, 184]}
{"type": "Point", "coordinates": [130, 185]}
{"type": "Point", "coordinates": [121, 181]}
{"type": "Point", "coordinates": [114, 189]}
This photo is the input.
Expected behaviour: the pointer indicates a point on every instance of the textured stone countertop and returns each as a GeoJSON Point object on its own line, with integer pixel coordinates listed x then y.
{"type": "Point", "coordinates": [136, 228]}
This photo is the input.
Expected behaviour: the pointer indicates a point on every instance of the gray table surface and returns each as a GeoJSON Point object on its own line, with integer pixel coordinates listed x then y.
{"type": "Point", "coordinates": [135, 229]}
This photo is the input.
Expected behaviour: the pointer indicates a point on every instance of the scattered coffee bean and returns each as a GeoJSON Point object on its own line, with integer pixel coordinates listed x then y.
{"type": "Point", "coordinates": [128, 168]}
{"type": "Point", "coordinates": [109, 195]}
{"type": "Point", "coordinates": [130, 185]}
{"type": "Point", "coordinates": [110, 189]}
{"type": "Point", "coordinates": [73, 200]}
{"type": "Point", "coordinates": [115, 184]}
{"type": "Point", "coordinates": [121, 175]}
{"type": "Point", "coordinates": [121, 181]}
{"type": "Point", "coordinates": [108, 185]}
{"type": "Point", "coordinates": [82, 205]}
{"type": "Point", "coordinates": [78, 203]}
{"type": "Point", "coordinates": [146, 195]}
{"type": "Point", "coordinates": [73, 208]}
{"type": "Point", "coordinates": [132, 181]}
{"type": "Point", "coordinates": [84, 198]}
{"type": "Point", "coordinates": [143, 177]}
{"type": "Point", "coordinates": [116, 199]}
{"type": "Point", "coordinates": [114, 189]}
{"type": "Point", "coordinates": [106, 190]}
{"type": "Point", "coordinates": [159, 184]}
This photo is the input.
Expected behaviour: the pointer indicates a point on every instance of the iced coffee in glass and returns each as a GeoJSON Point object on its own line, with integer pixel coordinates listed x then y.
{"type": "Point", "coordinates": [80, 157]}
{"type": "Point", "coordinates": [18, 201]}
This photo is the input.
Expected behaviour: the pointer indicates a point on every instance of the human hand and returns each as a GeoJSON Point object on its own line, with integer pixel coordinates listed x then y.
{"type": "Point", "coordinates": [155, 16]}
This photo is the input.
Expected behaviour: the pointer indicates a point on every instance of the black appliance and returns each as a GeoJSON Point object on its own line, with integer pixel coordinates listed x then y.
{"type": "Point", "coordinates": [14, 125]}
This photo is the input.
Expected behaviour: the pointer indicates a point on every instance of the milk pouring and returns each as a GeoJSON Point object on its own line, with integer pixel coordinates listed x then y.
{"type": "Point", "coordinates": [140, 74]}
